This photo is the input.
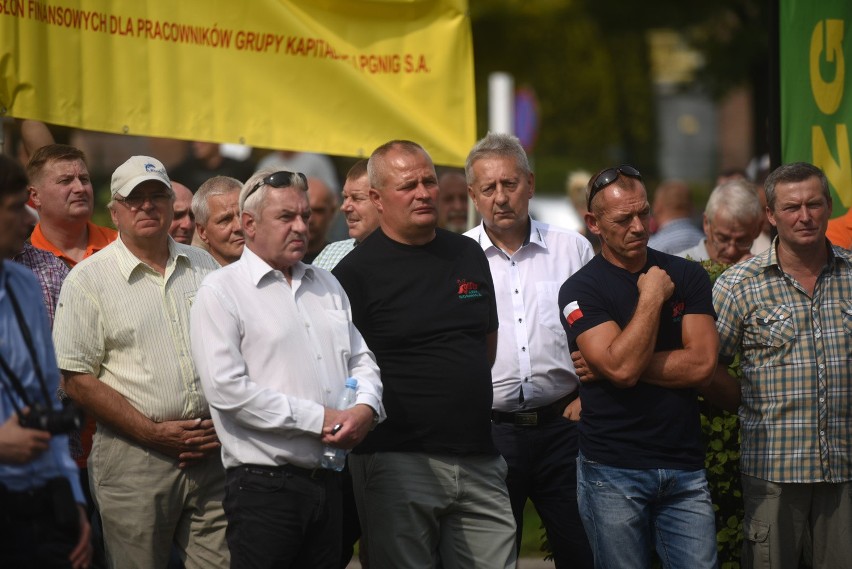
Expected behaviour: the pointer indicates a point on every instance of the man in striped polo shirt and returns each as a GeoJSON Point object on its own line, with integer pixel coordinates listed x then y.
{"type": "Point", "coordinates": [122, 343]}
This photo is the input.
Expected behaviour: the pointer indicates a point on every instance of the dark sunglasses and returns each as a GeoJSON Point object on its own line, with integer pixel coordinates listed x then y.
{"type": "Point", "coordinates": [282, 179]}
{"type": "Point", "coordinates": [607, 177]}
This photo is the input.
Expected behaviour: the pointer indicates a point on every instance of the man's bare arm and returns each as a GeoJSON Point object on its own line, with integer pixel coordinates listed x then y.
{"type": "Point", "coordinates": [622, 355]}
{"type": "Point", "coordinates": [692, 365]}
{"type": "Point", "coordinates": [187, 440]}
{"type": "Point", "coordinates": [724, 390]}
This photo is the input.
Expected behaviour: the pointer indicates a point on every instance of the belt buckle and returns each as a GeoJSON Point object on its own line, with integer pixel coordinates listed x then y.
{"type": "Point", "coordinates": [526, 419]}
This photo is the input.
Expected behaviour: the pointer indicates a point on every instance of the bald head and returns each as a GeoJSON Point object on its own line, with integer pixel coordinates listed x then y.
{"type": "Point", "coordinates": [183, 223]}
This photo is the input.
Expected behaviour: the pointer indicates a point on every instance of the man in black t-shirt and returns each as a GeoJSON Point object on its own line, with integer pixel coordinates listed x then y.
{"type": "Point", "coordinates": [643, 322]}
{"type": "Point", "coordinates": [429, 482]}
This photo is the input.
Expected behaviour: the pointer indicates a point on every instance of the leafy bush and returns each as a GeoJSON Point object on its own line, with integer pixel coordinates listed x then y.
{"type": "Point", "coordinates": [722, 463]}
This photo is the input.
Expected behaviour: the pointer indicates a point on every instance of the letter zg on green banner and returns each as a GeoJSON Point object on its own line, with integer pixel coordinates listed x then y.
{"type": "Point", "coordinates": [816, 95]}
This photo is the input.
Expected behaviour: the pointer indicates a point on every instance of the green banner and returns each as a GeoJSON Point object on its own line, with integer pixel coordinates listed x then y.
{"type": "Point", "coordinates": [816, 93]}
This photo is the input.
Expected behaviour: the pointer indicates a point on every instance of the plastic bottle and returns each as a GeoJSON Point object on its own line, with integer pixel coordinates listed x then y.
{"type": "Point", "coordinates": [334, 458]}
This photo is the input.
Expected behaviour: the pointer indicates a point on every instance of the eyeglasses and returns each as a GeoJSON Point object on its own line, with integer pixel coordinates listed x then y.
{"type": "Point", "coordinates": [136, 202]}
{"type": "Point", "coordinates": [725, 242]}
{"type": "Point", "coordinates": [607, 177]}
{"type": "Point", "coordinates": [282, 179]}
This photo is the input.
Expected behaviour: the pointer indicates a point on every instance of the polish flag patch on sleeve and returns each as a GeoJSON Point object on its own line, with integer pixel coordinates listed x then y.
{"type": "Point", "coordinates": [572, 312]}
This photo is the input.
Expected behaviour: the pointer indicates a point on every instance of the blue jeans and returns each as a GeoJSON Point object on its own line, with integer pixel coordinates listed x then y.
{"type": "Point", "coordinates": [627, 511]}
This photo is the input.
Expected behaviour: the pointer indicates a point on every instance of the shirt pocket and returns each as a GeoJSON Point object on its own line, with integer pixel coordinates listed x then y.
{"type": "Point", "coordinates": [771, 327]}
{"type": "Point", "coordinates": [846, 314]}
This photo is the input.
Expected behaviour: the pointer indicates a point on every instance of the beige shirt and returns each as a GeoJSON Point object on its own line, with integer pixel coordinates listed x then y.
{"type": "Point", "coordinates": [121, 321]}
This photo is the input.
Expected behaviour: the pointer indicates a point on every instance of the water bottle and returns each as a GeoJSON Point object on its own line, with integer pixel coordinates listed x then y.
{"type": "Point", "coordinates": [334, 458]}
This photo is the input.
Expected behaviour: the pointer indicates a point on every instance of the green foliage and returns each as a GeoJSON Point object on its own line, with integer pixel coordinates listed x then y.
{"type": "Point", "coordinates": [588, 62]}
{"type": "Point", "coordinates": [722, 463]}
{"type": "Point", "coordinates": [589, 113]}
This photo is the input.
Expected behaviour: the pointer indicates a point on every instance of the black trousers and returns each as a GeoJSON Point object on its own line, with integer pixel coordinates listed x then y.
{"type": "Point", "coordinates": [543, 468]}
{"type": "Point", "coordinates": [36, 531]}
{"type": "Point", "coordinates": [283, 517]}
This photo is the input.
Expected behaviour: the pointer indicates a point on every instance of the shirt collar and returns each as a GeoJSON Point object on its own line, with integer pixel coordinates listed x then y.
{"type": "Point", "coordinates": [836, 255]}
{"type": "Point", "coordinates": [128, 262]}
{"type": "Point", "coordinates": [535, 236]}
{"type": "Point", "coordinates": [258, 268]}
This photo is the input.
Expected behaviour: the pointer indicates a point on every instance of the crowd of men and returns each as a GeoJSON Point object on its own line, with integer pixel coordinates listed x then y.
{"type": "Point", "coordinates": [208, 339]}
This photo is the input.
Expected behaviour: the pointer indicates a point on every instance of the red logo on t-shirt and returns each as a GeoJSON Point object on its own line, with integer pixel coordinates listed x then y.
{"type": "Point", "coordinates": [468, 289]}
{"type": "Point", "coordinates": [677, 311]}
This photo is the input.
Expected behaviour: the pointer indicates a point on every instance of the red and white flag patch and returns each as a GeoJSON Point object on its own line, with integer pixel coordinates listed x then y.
{"type": "Point", "coordinates": [572, 312]}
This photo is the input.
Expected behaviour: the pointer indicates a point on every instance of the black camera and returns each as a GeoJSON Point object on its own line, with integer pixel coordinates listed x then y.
{"type": "Point", "coordinates": [54, 422]}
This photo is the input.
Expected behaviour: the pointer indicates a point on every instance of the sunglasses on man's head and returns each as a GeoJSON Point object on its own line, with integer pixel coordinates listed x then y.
{"type": "Point", "coordinates": [607, 177]}
{"type": "Point", "coordinates": [282, 179]}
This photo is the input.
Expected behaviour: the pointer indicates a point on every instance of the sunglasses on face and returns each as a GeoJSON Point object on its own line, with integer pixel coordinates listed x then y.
{"type": "Point", "coordinates": [282, 179]}
{"type": "Point", "coordinates": [135, 201]}
{"type": "Point", "coordinates": [607, 177]}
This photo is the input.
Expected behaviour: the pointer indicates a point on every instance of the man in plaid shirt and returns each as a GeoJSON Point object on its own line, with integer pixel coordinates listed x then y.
{"type": "Point", "coordinates": [788, 313]}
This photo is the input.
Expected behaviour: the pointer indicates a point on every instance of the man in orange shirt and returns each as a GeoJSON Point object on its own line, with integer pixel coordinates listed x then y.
{"type": "Point", "coordinates": [839, 230]}
{"type": "Point", "coordinates": [61, 191]}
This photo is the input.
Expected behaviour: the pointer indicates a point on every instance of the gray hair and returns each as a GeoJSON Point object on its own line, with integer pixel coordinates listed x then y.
{"type": "Point", "coordinates": [795, 172]}
{"type": "Point", "coordinates": [497, 145]}
{"type": "Point", "coordinates": [215, 186]}
{"type": "Point", "coordinates": [253, 194]}
{"type": "Point", "coordinates": [376, 163]}
{"type": "Point", "coordinates": [737, 198]}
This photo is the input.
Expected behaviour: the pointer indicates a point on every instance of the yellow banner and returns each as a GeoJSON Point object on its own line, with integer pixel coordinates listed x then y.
{"type": "Point", "coordinates": [331, 76]}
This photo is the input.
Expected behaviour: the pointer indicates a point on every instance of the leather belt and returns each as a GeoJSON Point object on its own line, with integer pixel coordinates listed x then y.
{"type": "Point", "coordinates": [534, 417]}
{"type": "Point", "coordinates": [263, 470]}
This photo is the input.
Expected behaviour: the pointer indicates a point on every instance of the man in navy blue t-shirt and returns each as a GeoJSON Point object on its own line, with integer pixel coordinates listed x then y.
{"type": "Point", "coordinates": [643, 323]}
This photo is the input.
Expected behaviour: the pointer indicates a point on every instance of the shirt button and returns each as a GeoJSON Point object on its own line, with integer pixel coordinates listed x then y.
{"type": "Point", "coordinates": [319, 357]}
{"type": "Point", "coordinates": [513, 263]}
{"type": "Point", "coordinates": [524, 349]}
{"type": "Point", "coordinates": [516, 291]}
{"type": "Point", "coordinates": [822, 399]}
{"type": "Point", "coordinates": [818, 334]}
{"type": "Point", "coordinates": [822, 433]}
{"type": "Point", "coordinates": [821, 366]}
{"type": "Point", "coordinates": [520, 320]}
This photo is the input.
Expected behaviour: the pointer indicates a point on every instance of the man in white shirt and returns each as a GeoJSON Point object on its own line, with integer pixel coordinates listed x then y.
{"type": "Point", "coordinates": [274, 342]}
{"type": "Point", "coordinates": [535, 406]}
